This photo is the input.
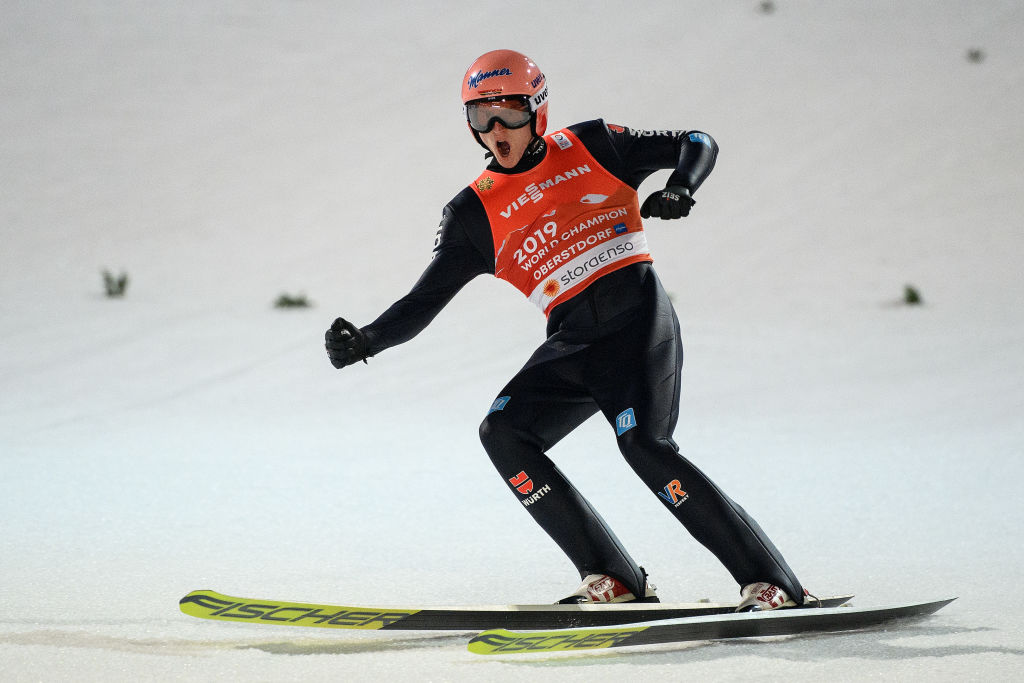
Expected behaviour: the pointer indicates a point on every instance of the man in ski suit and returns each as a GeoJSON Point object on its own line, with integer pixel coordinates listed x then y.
{"type": "Point", "coordinates": [559, 217]}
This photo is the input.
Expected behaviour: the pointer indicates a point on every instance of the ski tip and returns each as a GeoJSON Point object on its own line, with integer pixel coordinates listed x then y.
{"type": "Point", "coordinates": [197, 594]}
{"type": "Point", "coordinates": [199, 603]}
{"type": "Point", "coordinates": [192, 594]}
{"type": "Point", "coordinates": [932, 605]}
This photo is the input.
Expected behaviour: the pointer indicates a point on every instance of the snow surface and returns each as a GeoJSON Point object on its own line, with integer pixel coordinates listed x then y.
{"type": "Point", "coordinates": [192, 436]}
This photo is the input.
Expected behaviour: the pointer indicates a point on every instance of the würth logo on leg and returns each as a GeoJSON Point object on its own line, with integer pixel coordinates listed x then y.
{"type": "Point", "coordinates": [524, 485]}
{"type": "Point", "coordinates": [522, 482]}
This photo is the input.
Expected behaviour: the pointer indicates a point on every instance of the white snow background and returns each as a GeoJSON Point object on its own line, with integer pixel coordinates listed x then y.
{"type": "Point", "coordinates": [190, 435]}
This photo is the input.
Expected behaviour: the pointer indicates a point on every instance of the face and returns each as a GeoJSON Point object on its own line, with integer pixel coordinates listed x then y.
{"type": "Point", "coordinates": [507, 144]}
{"type": "Point", "coordinates": [509, 119]}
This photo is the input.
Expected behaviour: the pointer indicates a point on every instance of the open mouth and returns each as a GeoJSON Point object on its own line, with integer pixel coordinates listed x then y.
{"type": "Point", "coordinates": [504, 148]}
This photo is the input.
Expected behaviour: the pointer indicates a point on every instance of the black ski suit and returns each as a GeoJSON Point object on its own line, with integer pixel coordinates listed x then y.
{"type": "Point", "coordinates": [615, 348]}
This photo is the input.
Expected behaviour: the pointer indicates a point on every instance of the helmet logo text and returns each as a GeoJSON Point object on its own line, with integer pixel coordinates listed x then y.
{"type": "Point", "coordinates": [475, 79]}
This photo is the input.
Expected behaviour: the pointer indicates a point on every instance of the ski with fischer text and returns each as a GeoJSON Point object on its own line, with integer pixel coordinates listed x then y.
{"type": "Point", "coordinates": [742, 625]}
{"type": "Point", "coordinates": [207, 604]}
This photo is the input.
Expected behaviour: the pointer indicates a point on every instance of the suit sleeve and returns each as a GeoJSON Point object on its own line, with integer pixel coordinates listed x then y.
{"type": "Point", "coordinates": [458, 258]}
{"type": "Point", "coordinates": [633, 155]}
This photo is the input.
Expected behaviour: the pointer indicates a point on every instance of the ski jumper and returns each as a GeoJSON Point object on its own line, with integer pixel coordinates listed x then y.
{"type": "Point", "coordinates": [564, 228]}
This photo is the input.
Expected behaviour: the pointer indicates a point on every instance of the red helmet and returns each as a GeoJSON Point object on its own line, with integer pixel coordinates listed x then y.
{"type": "Point", "coordinates": [504, 74]}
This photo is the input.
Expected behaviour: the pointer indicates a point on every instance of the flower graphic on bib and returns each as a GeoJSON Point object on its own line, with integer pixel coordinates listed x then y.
{"type": "Point", "coordinates": [551, 288]}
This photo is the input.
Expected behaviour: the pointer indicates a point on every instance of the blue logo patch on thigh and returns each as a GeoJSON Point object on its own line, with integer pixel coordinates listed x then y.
{"type": "Point", "coordinates": [499, 404]}
{"type": "Point", "coordinates": [624, 422]}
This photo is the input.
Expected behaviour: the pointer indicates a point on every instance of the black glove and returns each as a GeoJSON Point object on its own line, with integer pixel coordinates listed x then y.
{"type": "Point", "coordinates": [346, 344]}
{"type": "Point", "coordinates": [672, 202]}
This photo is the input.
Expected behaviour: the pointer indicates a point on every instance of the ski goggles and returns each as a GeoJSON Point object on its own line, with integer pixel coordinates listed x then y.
{"type": "Point", "coordinates": [511, 112]}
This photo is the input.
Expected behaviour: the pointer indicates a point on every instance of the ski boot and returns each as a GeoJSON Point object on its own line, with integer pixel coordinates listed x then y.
{"type": "Point", "coordinates": [601, 588]}
{"type": "Point", "coordinates": [761, 596]}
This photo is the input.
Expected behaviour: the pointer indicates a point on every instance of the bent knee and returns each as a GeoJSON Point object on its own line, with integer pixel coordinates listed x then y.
{"type": "Point", "coordinates": [637, 445]}
{"type": "Point", "coordinates": [495, 432]}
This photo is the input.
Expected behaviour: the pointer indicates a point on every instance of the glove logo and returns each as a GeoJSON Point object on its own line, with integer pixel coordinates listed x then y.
{"type": "Point", "coordinates": [702, 138]}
